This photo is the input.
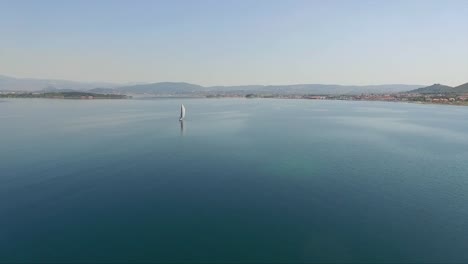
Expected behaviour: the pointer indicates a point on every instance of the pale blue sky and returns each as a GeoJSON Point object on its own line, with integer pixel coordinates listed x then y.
{"type": "Point", "coordinates": [237, 42]}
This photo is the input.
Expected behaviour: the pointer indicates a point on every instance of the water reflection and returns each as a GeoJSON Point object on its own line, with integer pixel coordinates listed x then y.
{"type": "Point", "coordinates": [181, 127]}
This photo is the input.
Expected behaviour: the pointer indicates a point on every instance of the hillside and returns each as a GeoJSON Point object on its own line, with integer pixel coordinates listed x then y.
{"type": "Point", "coordinates": [434, 89]}
{"type": "Point", "coordinates": [461, 88]}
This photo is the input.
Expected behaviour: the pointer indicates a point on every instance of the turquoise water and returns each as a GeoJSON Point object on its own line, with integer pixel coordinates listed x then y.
{"type": "Point", "coordinates": [255, 180]}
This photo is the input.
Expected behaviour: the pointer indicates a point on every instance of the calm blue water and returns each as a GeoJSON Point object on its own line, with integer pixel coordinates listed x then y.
{"type": "Point", "coordinates": [255, 180]}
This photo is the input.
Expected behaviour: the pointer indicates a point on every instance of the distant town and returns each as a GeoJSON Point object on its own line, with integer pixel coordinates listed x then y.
{"type": "Point", "coordinates": [398, 97]}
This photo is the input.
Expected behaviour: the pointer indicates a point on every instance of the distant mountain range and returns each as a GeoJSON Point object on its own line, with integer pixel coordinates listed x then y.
{"type": "Point", "coordinates": [29, 84]}
{"type": "Point", "coordinates": [182, 88]}
{"type": "Point", "coordinates": [154, 88]}
{"type": "Point", "coordinates": [166, 88]}
{"type": "Point", "coordinates": [442, 89]}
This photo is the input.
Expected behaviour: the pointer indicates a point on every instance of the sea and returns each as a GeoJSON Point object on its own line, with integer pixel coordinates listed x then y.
{"type": "Point", "coordinates": [238, 181]}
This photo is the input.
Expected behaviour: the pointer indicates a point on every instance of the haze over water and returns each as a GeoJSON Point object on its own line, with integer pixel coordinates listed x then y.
{"type": "Point", "coordinates": [245, 180]}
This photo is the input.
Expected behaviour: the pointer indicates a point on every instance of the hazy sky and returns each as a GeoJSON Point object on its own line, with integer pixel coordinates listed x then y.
{"type": "Point", "coordinates": [235, 42]}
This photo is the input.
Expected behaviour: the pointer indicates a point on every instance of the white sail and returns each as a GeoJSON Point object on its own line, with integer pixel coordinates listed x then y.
{"type": "Point", "coordinates": [182, 112]}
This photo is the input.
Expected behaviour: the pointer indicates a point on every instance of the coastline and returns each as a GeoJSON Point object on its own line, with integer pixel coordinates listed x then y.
{"type": "Point", "coordinates": [427, 99]}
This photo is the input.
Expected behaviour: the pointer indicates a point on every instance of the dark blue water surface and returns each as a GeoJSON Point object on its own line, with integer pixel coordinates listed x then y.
{"type": "Point", "coordinates": [255, 180]}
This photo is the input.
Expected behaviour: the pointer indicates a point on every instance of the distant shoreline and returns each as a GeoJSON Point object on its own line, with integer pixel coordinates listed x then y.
{"type": "Point", "coordinates": [64, 95]}
{"type": "Point", "coordinates": [428, 99]}
{"type": "Point", "coordinates": [436, 99]}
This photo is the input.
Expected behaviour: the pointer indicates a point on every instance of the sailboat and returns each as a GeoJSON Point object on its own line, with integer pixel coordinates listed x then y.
{"type": "Point", "coordinates": [182, 112]}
